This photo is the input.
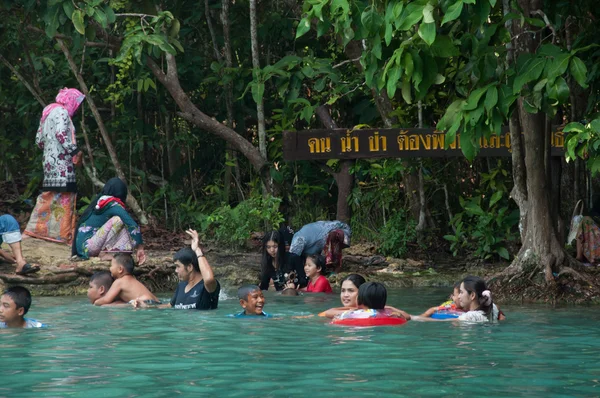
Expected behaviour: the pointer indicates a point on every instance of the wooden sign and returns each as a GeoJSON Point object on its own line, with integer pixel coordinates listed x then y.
{"type": "Point", "coordinates": [391, 143]}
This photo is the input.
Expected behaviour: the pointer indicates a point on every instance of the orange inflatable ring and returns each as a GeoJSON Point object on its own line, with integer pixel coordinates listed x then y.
{"type": "Point", "coordinates": [367, 318]}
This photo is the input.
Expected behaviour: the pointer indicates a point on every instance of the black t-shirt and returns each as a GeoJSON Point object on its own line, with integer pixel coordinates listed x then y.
{"type": "Point", "coordinates": [197, 298]}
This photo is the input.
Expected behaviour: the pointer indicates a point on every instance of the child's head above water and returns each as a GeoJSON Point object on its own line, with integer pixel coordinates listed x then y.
{"type": "Point", "coordinates": [289, 292]}
{"type": "Point", "coordinates": [14, 304]}
{"type": "Point", "coordinates": [455, 294]}
{"type": "Point", "coordinates": [372, 295]}
{"type": "Point", "coordinates": [252, 299]}
{"type": "Point", "coordinates": [121, 265]}
{"type": "Point", "coordinates": [314, 266]}
{"type": "Point", "coordinates": [100, 283]}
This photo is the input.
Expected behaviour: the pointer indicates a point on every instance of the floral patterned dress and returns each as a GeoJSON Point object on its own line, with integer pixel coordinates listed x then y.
{"type": "Point", "coordinates": [109, 229]}
{"type": "Point", "coordinates": [55, 138]}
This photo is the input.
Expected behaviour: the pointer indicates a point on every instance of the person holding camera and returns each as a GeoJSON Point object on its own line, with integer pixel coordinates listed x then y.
{"type": "Point", "coordinates": [277, 266]}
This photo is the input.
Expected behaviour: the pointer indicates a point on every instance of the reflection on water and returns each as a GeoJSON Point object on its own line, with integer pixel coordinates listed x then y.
{"type": "Point", "coordinates": [111, 352]}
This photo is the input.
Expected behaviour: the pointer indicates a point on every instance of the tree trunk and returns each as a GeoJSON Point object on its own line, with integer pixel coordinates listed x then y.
{"type": "Point", "coordinates": [231, 154]}
{"type": "Point", "coordinates": [541, 253]}
{"type": "Point", "coordinates": [34, 92]}
{"type": "Point", "coordinates": [260, 110]}
{"type": "Point", "coordinates": [343, 178]}
{"type": "Point", "coordinates": [131, 201]}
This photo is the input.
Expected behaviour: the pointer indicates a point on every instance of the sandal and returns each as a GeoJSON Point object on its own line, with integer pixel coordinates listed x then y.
{"type": "Point", "coordinates": [28, 269]}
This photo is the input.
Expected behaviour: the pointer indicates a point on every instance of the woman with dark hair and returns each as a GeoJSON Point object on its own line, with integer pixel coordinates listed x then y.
{"type": "Point", "coordinates": [105, 227]}
{"type": "Point", "coordinates": [276, 264]}
{"type": "Point", "coordinates": [54, 214]}
{"type": "Point", "coordinates": [476, 300]}
{"type": "Point", "coordinates": [348, 295]}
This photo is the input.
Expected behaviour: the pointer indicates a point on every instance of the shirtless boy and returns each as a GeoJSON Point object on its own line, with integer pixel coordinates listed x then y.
{"type": "Point", "coordinates": [125, 287]}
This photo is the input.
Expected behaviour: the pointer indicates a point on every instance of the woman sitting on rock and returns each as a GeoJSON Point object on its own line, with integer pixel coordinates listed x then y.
{"type": "Point", "coordinates": [106, 228]}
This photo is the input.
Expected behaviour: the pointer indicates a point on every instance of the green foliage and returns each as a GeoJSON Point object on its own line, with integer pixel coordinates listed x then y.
{"type": "Point", "coordinates": [583, 141]}
{"type": "Point", "coordinates": [233, 226]}
{"type": "Point", "coordinates": [397, 233]}
{"type": "Point", "coordinates": [486, 226]}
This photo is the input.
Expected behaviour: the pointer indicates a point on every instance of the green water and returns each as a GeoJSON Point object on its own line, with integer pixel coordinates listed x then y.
{"type": "Point", "coordinates": [100, 352]}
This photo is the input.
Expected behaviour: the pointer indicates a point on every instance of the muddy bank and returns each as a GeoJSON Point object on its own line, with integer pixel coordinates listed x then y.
{"type": "Point", "coordinates": [59, 276]}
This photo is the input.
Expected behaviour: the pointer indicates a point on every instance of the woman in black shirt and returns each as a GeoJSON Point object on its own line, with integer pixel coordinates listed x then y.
{"type": "Point", "coordinates": [276, 265]}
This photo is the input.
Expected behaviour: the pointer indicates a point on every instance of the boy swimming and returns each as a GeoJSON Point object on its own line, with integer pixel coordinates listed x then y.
{"type": "Point", "coordinates": [252, 301]}
{"type": "Point", "coordinates": [14, 304]}
{"type": "Point", "coordinates": [125, 287]}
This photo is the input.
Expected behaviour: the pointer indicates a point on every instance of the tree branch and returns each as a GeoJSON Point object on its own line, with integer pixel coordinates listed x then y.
{"type": "Point", "coordinates": [191, 113]}
{"type": "Point", "coordinates": [131, 201]}
{"type": "Point", "coordinates": [23, 80]}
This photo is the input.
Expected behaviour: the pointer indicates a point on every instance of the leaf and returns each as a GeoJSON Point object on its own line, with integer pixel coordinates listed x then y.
{"type": "Point", "coordinates": [502, 252]}
{"type": "Point", "coordinates": [491, 98]}
{"type": "Point", "coordinates": [428, 13]}
{"type": "Point", "coordinates": [413, 13]}
{"type": "Point", "coordinates": [427, 32]}
{"type": "Point", "coordinates": [371, 20]}
{"type": "Point", "coordinates": [443, 47]}
{"type": "Point", "coordinates": [177, 44]}
{"type": "Point", "coordinates": [451, 238]}
{"type": "Point", "coordinates": [100, 16]}
{"type": "Point", "coordinates": [388, 33]}
{"type": "Point", "coordinates": [468, 147]}
{"type": "Point", "coordinates": [77, 19]}
{"type": "Point", "coordinates": [579, 71]}
{"type": "Point", "coordinates": [493, 3]}
{"type": "Point", "coordinates": [474, 98]}
{"type": "Point", "coordinates": [392, 80]}
{"type": "Point", "coordinates": [406, 90]}
{"type": "Point", "coordinates": [450, 115]}
{"type": "Point", "coordinates": [303, 27]}
{"type": "Point", "coordinates": [562, 90]}
{"type": "Point", "coordinates": [495, 198]}
{"type": "Point", "coordinates": [453, 12]}
{"type": "Point", "coordinates": [407, 62]}
{"type": "Point", "coordinates": [531, 70]}
{"type": "Point", "coordinates": [559, 65]}
{"type": "Point", "coordinates": [68, 7]}
{"type": "Point", "coordinates": [110, 14]}
{"type": "Point", "coordinates": [574, 127]}
{"type": "Point", "coordinates": [258, 91]}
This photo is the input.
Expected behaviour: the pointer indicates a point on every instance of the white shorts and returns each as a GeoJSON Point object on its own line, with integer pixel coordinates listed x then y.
{"type": "Point", "coordinates": [11, 237]}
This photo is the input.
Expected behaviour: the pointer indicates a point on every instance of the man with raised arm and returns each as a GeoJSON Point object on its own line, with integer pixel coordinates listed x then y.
{"type": "Point", "coordinates": [198, 289]}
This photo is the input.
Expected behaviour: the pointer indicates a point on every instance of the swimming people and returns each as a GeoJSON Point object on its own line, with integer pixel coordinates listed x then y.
{"type": "Point", "coordinates": [371, 301]}
{"type": "Point", "coordinates": [99, 285]}
{"type": "Point", "coordinates": [476, 300]}
{"type": "Point", "coordinates": [125, 287]}
{"type": "Point", "coordinates": [14, 304]}
{"type": "Point", "coordinates": [450, 305]}
{"type": "Point", "coordinates": [349, 297]}
{"type": "Point", "coordinates": [252, 301]}
{"type": "Point", "coordinates": [314, 267]}
{"type": "Point", "coordinates": [198, 289]}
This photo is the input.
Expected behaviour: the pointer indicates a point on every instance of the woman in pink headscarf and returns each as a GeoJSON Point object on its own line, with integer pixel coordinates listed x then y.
{"type": "Point", "coordinates": [54, 215]}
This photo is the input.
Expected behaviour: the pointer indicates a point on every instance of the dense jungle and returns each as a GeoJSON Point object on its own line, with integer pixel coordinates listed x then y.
{"type": "Point", "coordinates": [187, 101]}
